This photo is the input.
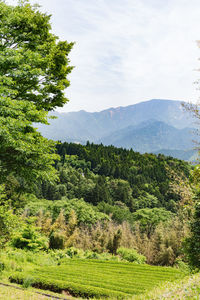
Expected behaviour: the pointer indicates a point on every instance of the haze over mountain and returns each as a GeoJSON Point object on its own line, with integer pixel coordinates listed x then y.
{"type": "Point", "coordinates": [150, 136]}
{"type": "Point", "coordinates": [146, 127]}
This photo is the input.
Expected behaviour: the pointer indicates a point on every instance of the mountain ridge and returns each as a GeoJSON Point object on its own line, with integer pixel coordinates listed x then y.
{"type": "Point", "coordinates": [148, 136]}
{"type": "Point", "coordinates": [96, 127]}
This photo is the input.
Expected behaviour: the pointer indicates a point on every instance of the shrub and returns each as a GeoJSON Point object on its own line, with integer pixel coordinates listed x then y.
{"type": "Point", "coordinates": [72, 252]}
{"type": "Point", "coordinates": [27, 282]}
{"type": "Point", "coordinates": [131, 255]}
{"type": "Point", "coordinates": [192, 243]}
{"type": "Point", "coordinates": [56, 240]}
{"type": "Point", "coordinates": [2, 266]}
{"type": "Point", "coordinates": [98, 279]}
{"type": "Point", "coordinates": [114, 243]}
{"type": "Point", "coordinates": [29, 238]}
{"type": "Point", "coordinates": [8, 223]}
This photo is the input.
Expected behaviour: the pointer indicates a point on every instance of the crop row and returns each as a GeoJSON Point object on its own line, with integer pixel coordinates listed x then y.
{"type": "Point", "coordinates": [122, 287]}
{"type": "Point", "coordinates": [99, 279]}
{"type": "Point", "coordinates": [58, 286]}
{"type": "Point", "coordinates": [111, 267]}
{"type": "Point", "coordinates": [123, 281]}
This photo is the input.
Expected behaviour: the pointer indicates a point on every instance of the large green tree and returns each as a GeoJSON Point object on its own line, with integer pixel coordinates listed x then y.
{"type": "Point", "coordinates": [33, 63]}
{"type": "Point", "coordinates": [34, 66]}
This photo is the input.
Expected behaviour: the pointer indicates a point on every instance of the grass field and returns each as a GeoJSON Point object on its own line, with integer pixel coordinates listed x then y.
{"type": "Point", "coordinates": [7, 293]}
{"type": "Point", "coordinates": [13, 293]}
{"type": "Point", "coordinates": [90, 278]}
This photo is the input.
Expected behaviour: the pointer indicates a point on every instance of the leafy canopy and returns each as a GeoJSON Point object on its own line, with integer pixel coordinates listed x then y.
{"type": "Point", "coordinates": [33, 64]}
{"type": "Point", "coordinates": [33, 70]}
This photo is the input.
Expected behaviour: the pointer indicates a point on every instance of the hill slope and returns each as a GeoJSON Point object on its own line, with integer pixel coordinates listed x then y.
{"type": "Point", "coordinates": [150, 136]}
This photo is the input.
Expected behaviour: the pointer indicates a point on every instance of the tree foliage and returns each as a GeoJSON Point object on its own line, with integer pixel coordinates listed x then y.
{"type": "Point", "coordinates": [33, 63]}
{"type": "Point", "coordinates": [29, 238]}
{"type": "Point", "coordinates": [33, 70]}
{"type": "Point", "coordinates": [123, 175]}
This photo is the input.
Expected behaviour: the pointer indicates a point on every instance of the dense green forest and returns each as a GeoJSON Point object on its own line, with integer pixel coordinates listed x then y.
{"type": "Point", "coordinates": [138, 181]}
{"type": "Point", "coordinates": [116, 181]}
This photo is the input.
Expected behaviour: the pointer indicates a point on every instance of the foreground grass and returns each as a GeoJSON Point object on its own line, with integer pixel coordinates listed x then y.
{"type": "Point", "coordinates": [90, 278]}
{"type": "Point", "coordinates": [9, 293]}
{"type": "Point", "coordinates": [187, 288]}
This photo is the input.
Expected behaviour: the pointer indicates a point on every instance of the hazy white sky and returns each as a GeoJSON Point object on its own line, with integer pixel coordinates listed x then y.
{"type": "Point", "coordinates": [128, 51]}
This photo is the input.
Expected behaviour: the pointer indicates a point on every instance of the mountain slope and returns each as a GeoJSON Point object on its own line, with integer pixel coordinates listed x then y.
{"type": "Point", "coordinates": [188, 155]}
{"type": "Point", "coordinates": [150, 136]}
{"type": "Point", "coordinates": [83, 126]}
{"type": "Point", "coordinates": [146, 127]}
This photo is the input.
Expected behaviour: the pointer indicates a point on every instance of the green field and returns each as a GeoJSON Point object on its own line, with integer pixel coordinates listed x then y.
{"type": "Point", "coordinates": [90, 278]}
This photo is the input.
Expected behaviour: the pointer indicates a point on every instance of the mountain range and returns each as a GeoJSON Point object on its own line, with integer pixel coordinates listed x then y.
{"type": "Point", "coordinates": [158, 126]}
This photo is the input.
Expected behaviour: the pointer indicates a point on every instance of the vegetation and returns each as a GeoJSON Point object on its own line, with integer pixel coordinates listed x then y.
{"type": "Point", "coordinates": [81, 218]}
{"type": "Point", "coordinates": [8, 292]}
{"type": "Point", "coordinates": [187, 288]}
{"type": "Point", "coordinates": [131, 255]}
{"type": "Point", "coordinates": [98, 278]}
{"type": "Point", "coordinates": [192, 243]}
{"type": "Point", "coordinates": [33, 70]}
{"type": "Point", "coordinates": [101, 213]}
{"type": "Point", "coordinates": [139, 181]}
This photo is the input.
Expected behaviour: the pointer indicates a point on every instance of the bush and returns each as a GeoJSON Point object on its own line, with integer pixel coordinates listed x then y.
{"type": "Point", "coordinates": [28, 281]}
{"type": "Point", "coordinates": [74, 288]}
{"type": "Point", "coordinates": [114, 243]}
{"type": "Point", "coordinates": [2, 266]}
{"type": "Point", "coordinates": [56, 240]}
{"type": "Point", "coordinates": [30, 239]}
{"type": "Point", "coordinates": [192, 243]}
{"type": "Point", "coordinates": [131, 255]}
{"type": "Point", "coordinates": [8, 223]}
{"type": "Point", "coordinates": [73, 252]}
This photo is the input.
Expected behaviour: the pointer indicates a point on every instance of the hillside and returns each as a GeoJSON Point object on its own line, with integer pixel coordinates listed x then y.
{"type": "Point", "coordinates": [142, 175]}
{"type": "Point", "coordinates": [112, 205]}
{"type": "Point", "coordinates": [190, 155]}
{"type": "Point", "coordinates": [150, 136]}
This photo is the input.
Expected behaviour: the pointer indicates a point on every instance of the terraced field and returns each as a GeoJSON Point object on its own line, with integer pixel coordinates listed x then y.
{"type": "Point", "coordinates": [90, 278]}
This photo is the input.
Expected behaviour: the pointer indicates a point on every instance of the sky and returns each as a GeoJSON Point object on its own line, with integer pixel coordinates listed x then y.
{"type": "Point", "coordinates": [128, 51]}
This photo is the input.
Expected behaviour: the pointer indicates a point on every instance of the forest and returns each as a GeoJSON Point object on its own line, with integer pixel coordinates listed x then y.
{"type": "Point", "coordinates": [105, 194]}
